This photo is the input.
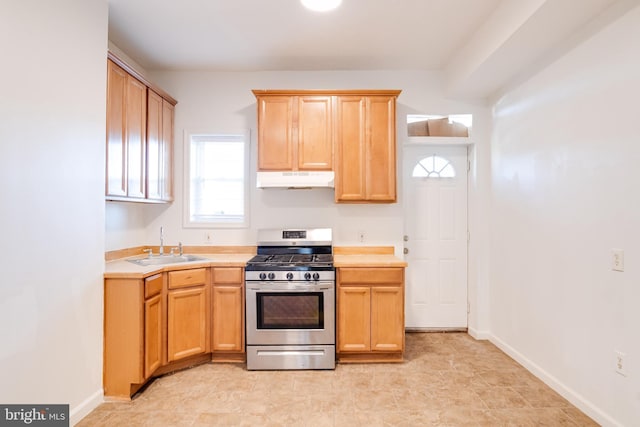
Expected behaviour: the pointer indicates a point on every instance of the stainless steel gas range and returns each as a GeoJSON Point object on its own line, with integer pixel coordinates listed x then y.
{"type": "Point", "coordinates": [290, 310]}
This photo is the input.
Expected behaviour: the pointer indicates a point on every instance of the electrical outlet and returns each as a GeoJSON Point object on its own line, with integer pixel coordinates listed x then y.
{"type": "Point", "coordinates": [208, 237]}
{"type": "Point", "coordinates": [361, 236]}
{"type": "Point", "coordinates": [621, 363]}
{"type": "Point", "coordinates": [617, 259]}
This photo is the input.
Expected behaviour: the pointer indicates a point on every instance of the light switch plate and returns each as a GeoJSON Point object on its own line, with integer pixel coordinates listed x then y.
{"type": "Point", "coordinates": [617, 259]}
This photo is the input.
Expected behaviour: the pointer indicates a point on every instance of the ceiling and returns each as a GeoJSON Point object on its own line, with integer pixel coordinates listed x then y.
{"type": "Point", "coordinates": [480, 45]}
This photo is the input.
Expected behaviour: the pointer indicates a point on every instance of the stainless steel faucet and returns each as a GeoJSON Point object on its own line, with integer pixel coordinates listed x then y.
{"type": "Point", "coordinates": [161, 251]}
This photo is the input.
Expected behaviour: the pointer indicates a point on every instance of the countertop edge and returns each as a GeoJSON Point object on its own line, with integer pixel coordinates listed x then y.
{"type": "Point", "coordinates": [122, 269]}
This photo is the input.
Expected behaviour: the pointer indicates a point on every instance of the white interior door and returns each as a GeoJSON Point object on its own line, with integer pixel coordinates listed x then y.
{"type": "Point", "coordinates": [435, 221]}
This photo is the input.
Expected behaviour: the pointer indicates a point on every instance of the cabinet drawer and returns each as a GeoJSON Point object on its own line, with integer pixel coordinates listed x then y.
{"type": "Point", "coordinates": [152, 286]}
{"type": "Point", "coordinates": [227, 275]}
{"type": "Point", "coordinates": [387, 275]}
{"type": "Point", "coordinates": [186, 278]}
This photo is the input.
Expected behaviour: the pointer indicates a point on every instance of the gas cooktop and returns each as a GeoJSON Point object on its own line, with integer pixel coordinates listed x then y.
{"type": "Point", "coordinates": [293, 250]}
{"type": "Point", "coordinates": [290, 262]}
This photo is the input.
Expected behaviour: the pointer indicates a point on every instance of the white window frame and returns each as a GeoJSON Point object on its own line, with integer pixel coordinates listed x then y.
{"type": "Point", "coordinates": [433, 171]}
{"type": "Point", "coordinates": [187, 222]}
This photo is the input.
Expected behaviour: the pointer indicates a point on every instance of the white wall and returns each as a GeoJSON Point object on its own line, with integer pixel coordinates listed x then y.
{"type": "Point", "coordinates": [52, 134]}
{"type": "Point", "coordinates": [565, 156]}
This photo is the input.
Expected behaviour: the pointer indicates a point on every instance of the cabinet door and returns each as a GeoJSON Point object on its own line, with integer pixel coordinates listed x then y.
{"type": "Point", "coordinates": [365, 149]}
{"type": "Point", "coordinates": [380, 158]}
{"type": "Point", "coordinates": [159, 148]}
{"type": "Point", "coordinates": [315, 134]}
{"type": "Point", "coordinates": [275, 133]}
{"type": "Point", "coordinates": [136, 131]}
{"type": "Point", "coordinates": [168, 111]}
{"type": "Point", "coordinates": [152, 334]}
{"type": "Point", "coordinates": [116, 184]}
{"type": "Point", "coordinates": [155, 168]}
{"type": "Point", "coordinates": [387, 318]}
{"type": "Point", "coordinates": [354, 319]}
{"type": "Point", "coordinates": [350, 149]}
{"type": "Point", "coordinates": [228, 318]}
{"type": "Point", "coordinates": [187, 322]}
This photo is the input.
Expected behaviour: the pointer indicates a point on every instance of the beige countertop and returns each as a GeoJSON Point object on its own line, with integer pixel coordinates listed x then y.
{"type": "Point", "coordinates": [121, 268]}
{"type": "Point", "coordinates": [368, 260]}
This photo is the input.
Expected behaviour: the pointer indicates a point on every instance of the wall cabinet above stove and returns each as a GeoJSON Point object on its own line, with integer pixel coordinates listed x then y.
{"type": "Point", "coordinates": [350, 132]}
{"type": "Point", "coordinates": [294, 132]}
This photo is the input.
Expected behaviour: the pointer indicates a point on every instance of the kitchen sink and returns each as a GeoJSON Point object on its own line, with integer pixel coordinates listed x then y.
{"type": "Point", "coordinates": [165, 259]}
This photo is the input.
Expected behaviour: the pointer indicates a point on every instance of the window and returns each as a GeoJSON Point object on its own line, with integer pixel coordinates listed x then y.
{"type": "Point", "coordinates": [216, 180]}
{"type": "Point", "coordinates": [432, 125]}
{"type": "Point", "coordinates": [433, 167]}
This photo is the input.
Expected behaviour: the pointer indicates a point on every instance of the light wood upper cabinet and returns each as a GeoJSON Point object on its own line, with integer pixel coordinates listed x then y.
{"type": "Point", "coordinates": [275, 133]}
{"type": "Point", "coordinates": [136, 138]}
{"type": "Point", "coordinates": [139, 137]}
{"type": "Point", "coordinates": [366, 148]}
{"type": "Point", "coordinates": [159, 148]}
{"type": "Point", "coordinates": [314, 133]}
{"type": "Point", "coordinates": [294, 132]}
{"type": "Point", "coordinates": [351, 149]}
{"type": "Point", "coordinates": [126, 133]}
{"type": "Point", "coordinates": [116, 184]}
{"type": "Point", "coordinates": [352, 132]}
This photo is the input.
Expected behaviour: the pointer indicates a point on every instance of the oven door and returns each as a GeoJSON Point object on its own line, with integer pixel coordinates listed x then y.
{"type": "Point", "coordinates": [290, 313]}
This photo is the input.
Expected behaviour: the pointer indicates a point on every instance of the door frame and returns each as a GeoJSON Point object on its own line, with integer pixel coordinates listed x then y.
{"type": "Point", "coordinates": [469, 151]}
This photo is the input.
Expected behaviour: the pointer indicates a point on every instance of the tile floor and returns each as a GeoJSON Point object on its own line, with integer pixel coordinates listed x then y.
{"type": "Point", "coordinates": [448, 379]}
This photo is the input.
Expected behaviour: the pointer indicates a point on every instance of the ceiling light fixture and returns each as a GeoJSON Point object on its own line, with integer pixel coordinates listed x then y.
{"type": "Point", "coordinates": [321, 5]}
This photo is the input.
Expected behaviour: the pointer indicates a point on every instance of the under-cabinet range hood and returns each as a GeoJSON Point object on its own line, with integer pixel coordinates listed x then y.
{"type": "Point", "coordinates": [295, 179]}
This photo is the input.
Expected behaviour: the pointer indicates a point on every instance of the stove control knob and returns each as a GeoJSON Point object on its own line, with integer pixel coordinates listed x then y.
{"type": "Point", "coordinates": [307, 276]}
{"type": "Point", "coordinates": [263, 276]}
{"type": "Point", "coordinates": [272, 276]}
{"type": "Point", "coordinates": [289, 276]}
{"type": "Point", "coordinates": [316, 276]}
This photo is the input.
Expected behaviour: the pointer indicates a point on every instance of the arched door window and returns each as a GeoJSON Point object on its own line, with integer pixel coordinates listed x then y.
{"type": "Point", "coordinates": [434, 167]}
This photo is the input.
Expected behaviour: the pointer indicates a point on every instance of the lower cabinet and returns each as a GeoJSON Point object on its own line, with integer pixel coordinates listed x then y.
{"type": "Point", "coordinates": [168, 321]}
{"type": "Point", "coordinates": [153, 324]}
{"type": "Point", "coordinates": [228, 313]}
{"type": "Point", "coordinates": [370, 314]}
{"type": "Point", "coordinates": [188, 322]}
{"type": "Point", "coordinates": [133, 341]}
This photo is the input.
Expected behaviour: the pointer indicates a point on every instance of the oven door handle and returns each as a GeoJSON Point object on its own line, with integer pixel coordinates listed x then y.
{"type": "Point", "coordinates": [291, 288]}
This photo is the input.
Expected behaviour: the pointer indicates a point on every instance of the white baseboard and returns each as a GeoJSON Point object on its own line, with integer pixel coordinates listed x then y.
{"type": "Point", "coordinates": [88, 405]}
{"type": "Point", "coordinates": [572, 396]}
{"type": "Point", "coordinates": [479, 335]}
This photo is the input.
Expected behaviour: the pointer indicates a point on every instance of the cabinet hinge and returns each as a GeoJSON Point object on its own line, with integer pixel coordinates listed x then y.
{"type": "Point", "coordinates": [468, 165]}
{"type": "Point", "coordinates": [468, 236]}
{"type": "Point", "coordinates": [468, 307]}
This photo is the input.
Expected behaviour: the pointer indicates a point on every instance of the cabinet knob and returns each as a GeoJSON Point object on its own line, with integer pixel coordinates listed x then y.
{"type": "Point", "coordinates": [405, 238]}
{"type": "Point", "coordinates": [406, 251]}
